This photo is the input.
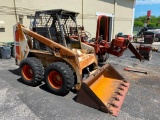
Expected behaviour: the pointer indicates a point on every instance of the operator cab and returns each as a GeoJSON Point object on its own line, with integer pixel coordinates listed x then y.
{"type": "Point", "coordinates": [57, 25]}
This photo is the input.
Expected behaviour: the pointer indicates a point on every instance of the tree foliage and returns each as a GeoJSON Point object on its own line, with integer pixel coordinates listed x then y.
{"type": "Point", "coordinates": [153, 19]}
{"type": "Point", "coordinates": [153, 22]}
{"type": "Point", "coordinates": [151, 25]}
{"type": "Point", "coordinates": [141, 19]}
{"type": "Point", "coordinates": [138, 24]}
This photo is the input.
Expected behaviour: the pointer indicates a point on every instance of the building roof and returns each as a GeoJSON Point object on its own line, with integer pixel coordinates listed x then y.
{"type": "Point", "coordinates": [58, 11]}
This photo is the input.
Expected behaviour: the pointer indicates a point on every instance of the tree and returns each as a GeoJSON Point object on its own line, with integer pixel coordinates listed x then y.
{"type": "Point", "coordinates": [154, 21]}
{"type": "Point", "coordinates": [138, 24]}
{"type": "Point", "coordinates": [158, 19]}
{"type": "Point", "coordinates": [141, 18]}
{"type": "Point", "coordinates": [151, 25]}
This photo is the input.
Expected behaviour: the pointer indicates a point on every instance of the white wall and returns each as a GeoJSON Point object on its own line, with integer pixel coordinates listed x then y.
{"type": "Point", "coordinates": [123, 13]}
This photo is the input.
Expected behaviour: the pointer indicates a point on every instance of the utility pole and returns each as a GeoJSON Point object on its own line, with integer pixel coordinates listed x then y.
{"type": "Point", "coordinates": [15, 10]}
{"type": "Point", "coordinates": [115, 4]}
{"type": "Point", "coordinates": [82, 16]}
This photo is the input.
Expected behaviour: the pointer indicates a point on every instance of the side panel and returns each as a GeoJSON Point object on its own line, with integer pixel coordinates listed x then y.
{"type": "Point", "coordinates": [20, 42]}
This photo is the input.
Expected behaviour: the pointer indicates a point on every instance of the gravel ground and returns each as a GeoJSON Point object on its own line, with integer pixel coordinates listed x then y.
{"type": "Point", "coordinates": [21, 102]}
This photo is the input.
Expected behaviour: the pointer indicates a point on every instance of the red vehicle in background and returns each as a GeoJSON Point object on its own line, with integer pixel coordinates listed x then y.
{"type": "Point", "coordinates": [102, 45]}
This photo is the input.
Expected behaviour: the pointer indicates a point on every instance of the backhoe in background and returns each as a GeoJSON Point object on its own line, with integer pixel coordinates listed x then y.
{"type": "Point", "coordinates": [48, 52]}
{"type": "Point", "coordinates": [103, 46]}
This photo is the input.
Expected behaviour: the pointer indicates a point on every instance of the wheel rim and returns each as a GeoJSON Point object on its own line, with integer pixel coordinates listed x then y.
{"type": "Point", "coordinates": [156, 39]}
{"type": "Point", "coordinates": [55, 79]}
{"type": "Point", "coordinates": [27, 72]}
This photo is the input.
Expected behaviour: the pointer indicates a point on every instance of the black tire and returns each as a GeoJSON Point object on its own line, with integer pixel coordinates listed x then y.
{"type": "Point", "coordinates": [156, 39]}
{"type": "Point", "coordinates": [31, 70]}
{"type": "Point", "coordinates": [149, 55]}
{"type": "Point", "coordinates": [103, 58]}
{"type": "Point", "coordinates": [59, 77]}
{"type": "Point", "coordinates": [135, 39]}
{"type": "Point", "coordinates": [146, 55]}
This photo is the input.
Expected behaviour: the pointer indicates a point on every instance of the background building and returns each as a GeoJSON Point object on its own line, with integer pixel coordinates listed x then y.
{"type": "Point", "coordinates": [121, 13]}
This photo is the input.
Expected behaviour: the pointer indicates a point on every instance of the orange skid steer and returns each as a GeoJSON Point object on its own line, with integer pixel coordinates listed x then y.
{"type": "Point", "coordinates": [47, 53]}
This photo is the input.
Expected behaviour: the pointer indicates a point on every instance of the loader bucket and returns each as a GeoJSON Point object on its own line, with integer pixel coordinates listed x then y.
{"type": "Point", "coordinates": [104, 90]}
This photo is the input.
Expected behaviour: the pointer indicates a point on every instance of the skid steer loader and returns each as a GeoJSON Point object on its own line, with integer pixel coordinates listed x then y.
{"type": "Point", "coordinates": [47, 52]}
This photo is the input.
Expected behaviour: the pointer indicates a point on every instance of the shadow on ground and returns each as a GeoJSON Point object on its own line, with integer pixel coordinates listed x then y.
{"type": "Point", "coordinates": [15, 71]}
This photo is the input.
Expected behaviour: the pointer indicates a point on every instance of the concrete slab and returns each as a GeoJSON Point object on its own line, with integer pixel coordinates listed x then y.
{"type": "Point", "coordinates": [19, 101]}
